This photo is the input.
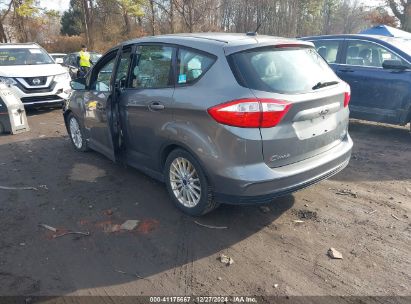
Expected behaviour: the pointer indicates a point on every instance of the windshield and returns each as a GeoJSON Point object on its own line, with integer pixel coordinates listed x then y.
{"type": "Point", "coordinates": [58, 56]}
{"type": "Point", "coordinates": [402, 44]}
{"type": "Point", "coordinates": [282, 70]}
{"type": "Point", "coordinates": [24, 56]}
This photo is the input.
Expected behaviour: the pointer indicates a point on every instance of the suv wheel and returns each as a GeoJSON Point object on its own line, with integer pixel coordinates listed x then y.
{"type": "Point", "coordinates": [76, 133]}
{"type": "Point", "coordinates": [187, 184]}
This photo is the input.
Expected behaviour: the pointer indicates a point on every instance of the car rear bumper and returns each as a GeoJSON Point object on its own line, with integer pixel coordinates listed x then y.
{"type": "Point", "coordinates": [266, 183]}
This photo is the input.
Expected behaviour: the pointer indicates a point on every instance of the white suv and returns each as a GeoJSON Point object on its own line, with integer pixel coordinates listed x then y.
{"type": "Point", "coordinates": [32, 75]}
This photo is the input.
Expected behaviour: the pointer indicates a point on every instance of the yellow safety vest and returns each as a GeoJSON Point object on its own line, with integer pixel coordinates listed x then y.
{"type": "Point", "coordinates": [84, 59]}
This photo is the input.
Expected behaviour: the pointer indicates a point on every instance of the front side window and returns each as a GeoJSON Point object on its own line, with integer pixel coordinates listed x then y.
{"type": "Point", "coordinates": [103, 76]}
{"type": "Point", "coordinates": [152, 68]}
{"type": "Point", "coordinates": [363, 53]}
{"type": "Point", "coordinates": [328, 49]}
{"type": "Point", "coordinates": [281, 70]}
{"type": "Point", "coordinates": [192, 65]}
{"type": "Point", "coordinates": [24, 56]}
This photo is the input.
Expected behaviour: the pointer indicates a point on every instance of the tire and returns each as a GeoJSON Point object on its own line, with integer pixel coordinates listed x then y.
{"type": "Point", "coordinates": [187, 184]}
{"type": "Point", "coordinates": [2, 131]}
{"type": "Point", "coordinates": [76, 133]}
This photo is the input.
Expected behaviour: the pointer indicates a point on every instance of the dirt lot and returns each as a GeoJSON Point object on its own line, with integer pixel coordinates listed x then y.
{"type": "Point", "coordinates": [363, 212]}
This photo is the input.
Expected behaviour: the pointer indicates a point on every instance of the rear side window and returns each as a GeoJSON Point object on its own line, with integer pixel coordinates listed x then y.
{"type": "Point", "coordinates": [192, 65]}
{"type": "Point", "coordinates": [328, 49]}
{"type": "Point", "coordinates": [281, 70]}
{"type": "Point", "coordinates": [152, 68]}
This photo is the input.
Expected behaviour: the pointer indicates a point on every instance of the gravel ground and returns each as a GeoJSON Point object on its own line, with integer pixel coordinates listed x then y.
{"type": "Point", "coordinates": [278, 249]}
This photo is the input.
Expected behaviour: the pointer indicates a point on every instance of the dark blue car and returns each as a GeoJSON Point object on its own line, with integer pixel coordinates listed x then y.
{"type": "Point", "coordinates": [377, 68]}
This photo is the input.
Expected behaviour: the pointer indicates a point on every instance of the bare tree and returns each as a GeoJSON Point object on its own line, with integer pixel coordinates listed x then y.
{"type": "Point", "coordinates": [402, 10]}
{"type": "Point", "coordinates": [88, 22]}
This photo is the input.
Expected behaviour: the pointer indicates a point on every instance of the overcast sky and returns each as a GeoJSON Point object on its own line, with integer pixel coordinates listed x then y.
{"type": "Point", "coordinates": [62, 5]}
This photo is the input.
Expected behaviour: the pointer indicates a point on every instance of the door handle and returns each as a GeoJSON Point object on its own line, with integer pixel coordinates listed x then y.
{"type": "Point", "coordinates": [346, 71]}
{"type": "Point", "coordinates": [156, 106]}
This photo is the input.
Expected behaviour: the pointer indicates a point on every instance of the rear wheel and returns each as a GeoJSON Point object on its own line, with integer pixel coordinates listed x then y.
{"type": "Point", "coordinates": [187, 184]}
{"type": "Point", "coordinates": [76, 133]}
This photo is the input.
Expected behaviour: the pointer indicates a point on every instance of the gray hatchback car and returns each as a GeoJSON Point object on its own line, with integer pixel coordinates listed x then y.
{"type": "Point", "coordinates": [220, 118]}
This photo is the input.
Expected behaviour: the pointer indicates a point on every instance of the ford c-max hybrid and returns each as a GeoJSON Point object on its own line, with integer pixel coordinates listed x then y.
{"type": "Point", "coordinates": [220, 118]}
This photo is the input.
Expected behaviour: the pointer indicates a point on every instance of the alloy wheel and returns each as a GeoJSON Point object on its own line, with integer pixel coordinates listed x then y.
{"type": "Point", "coordinates": [185, 182]}
{"type": "Point", "coordinates": [75, 133]}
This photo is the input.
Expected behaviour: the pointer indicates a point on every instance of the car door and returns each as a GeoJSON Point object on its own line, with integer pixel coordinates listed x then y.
{"type": "Point", "coordinates": [376, 93]}
{"type": "Point", "coordinates": [145, 104]}
{"type": "Point", "coordinates": [97, 101]}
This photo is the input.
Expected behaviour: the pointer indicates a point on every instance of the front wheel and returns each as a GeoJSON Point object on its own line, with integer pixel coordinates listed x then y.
{"type": "Point", "coordinates": [76, 133]}
{"type": "Point", "coordinates": [187, 184]}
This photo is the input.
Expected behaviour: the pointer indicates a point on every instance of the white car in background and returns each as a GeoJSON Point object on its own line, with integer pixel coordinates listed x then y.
{"type": "Point", "coordinates": [58, 57]}
{"type": "Point", "coordinates": [33, 76]}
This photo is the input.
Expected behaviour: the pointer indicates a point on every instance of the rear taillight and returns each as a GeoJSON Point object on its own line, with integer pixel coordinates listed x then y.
{"type": "Point", "coordinates": [347, 96]}
{"type": "Point", "coordinates": [250, 113]}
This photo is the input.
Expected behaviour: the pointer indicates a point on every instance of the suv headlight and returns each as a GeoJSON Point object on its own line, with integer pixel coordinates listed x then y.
{"type": "Point", "coordinates": [62, 77]}
{"type": "Point", "coordinates": [7, 81]}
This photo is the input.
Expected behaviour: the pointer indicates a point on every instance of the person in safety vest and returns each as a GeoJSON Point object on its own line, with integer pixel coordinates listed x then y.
{"type": "Point", "coordinates": [84, 61]}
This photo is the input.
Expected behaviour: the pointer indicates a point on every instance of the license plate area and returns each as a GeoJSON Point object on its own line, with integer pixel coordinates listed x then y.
{"type": "Point", "coordinates": [315, 127]}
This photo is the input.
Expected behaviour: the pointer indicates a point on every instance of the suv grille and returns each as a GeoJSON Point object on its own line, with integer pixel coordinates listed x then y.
{"type": "Point", "coordinates": [37, 90]}
{"type": "Point", "coordinates": [41, 99]}
{"type": "Point", "coordinates": [36, 81]}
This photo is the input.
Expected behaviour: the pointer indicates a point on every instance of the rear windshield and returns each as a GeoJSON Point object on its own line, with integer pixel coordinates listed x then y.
{"type": "Point", "coordinates": [24, 56]}
{"type": "Point", "coordinates": [281, 70]}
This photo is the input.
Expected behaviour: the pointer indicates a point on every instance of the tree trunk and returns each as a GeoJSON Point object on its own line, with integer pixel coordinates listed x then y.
{"type": "Point", "coordinates": [153, 16]}
{"type": "Point", "coordinates": [88, 24]}
{"type": "Point", "coordinates": [406, 22]}
{"type": "Point", "coordinates": [127, 25]}
{"type": "Point", "coordinates": [3, 36]}
{"type": "Point", "coordinates": [172, 16]}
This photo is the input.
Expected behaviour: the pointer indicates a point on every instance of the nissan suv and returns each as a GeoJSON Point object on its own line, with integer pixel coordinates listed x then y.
{"type": "Point", "coordinates": [32, 75]}
{"type": "Point", "coordinates": [220, 118]}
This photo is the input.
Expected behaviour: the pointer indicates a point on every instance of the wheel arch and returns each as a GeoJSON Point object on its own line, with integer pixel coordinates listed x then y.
{"type": "Point", "coordinates": [171, 146]}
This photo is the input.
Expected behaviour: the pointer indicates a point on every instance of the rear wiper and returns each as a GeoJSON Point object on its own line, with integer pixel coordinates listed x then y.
{"type": "Point", "coordinates": [320, 84]}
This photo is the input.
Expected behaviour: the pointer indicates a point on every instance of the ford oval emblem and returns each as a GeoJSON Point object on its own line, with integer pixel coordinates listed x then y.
{"type": "Point", "coordinates": [324, 112]}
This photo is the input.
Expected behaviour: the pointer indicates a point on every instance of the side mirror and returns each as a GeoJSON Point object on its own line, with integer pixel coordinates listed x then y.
{"type": "Point", "coordinates": [59, 60]}
{"type": "Point", "coordinates": [394, 65]}
{"type": "Point", "coordinates": [78, 84]}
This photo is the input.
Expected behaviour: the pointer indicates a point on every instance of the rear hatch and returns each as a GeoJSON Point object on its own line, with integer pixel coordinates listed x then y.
{"type": "Point", "coordinates": [312, 100]}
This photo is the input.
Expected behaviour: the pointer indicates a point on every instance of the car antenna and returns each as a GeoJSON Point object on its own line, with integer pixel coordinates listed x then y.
{"type": "Point", "coordinates": [255, 33]}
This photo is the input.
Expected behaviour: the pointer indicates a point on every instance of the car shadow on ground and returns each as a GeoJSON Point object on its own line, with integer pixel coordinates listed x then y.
{"type": "Point", "coordinates": [86, 192]}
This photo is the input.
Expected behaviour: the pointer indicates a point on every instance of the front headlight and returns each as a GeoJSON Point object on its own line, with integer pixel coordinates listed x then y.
{"type": "Point", "coordinates": [62, 77]}
{"type": "Point", "coordinates": [7, 81]}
